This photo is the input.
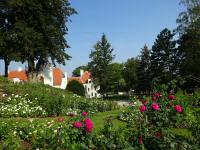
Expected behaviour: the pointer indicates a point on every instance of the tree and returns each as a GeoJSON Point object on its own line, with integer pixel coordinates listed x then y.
{"type": "Point", "coordinates": [188, 19]}
{"type": "Point", "coordinates": [115, 78]}
{"type": "Point", "coordinates": [189, 42]}
{"type": "Point", "coordinates": [76, 87]}
{"type": "Point", "coordinates": [101, 57]}
{"type": "Point", "coordinates": [164, 62]}
{"type": "Point", "coordinates": [76, 72]}
{"type": "Point", "coordinates": [143, 70]}
{"type": "Point", "coordinates": [7, 49]}
{"type": "Point", "coordinates": [38, 31]}
{"type": "Point", "coordinates": [130, 73]}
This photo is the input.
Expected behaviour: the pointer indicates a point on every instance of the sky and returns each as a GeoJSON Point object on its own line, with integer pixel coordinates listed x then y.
{"type": "Point", "coordinates": [128, 25]}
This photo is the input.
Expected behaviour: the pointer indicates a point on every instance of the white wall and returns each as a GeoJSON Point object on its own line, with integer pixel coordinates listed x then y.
{"type": "Point", "coordinates": [90, 90]}
{"type": "Point", "coordinates": [47, 73]}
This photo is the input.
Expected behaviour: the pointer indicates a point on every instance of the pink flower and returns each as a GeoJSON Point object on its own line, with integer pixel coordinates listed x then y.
{"type": "Point", "coordinates": [84, 113]}
{"type": "Point", "coordinates": [88, 125]}
{"type": "Point", "coordinates": [157, 94]}
{"type": "Point", "coordinates": [77, 124]}
{"type": "Point", "coordinates": [153, 98]}
{"type": "Point", "coordinates": [155, 106]}
{"type": "Point", "coordinates": [171, 97]}
{"type": "Point", "coordinates": [178, 108]}
{"type": "Point", "coordinates": [143, 108]}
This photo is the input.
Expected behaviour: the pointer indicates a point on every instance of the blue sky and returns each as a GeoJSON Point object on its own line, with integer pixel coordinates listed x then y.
{"type": "Point", "coordinates": [128, 24]}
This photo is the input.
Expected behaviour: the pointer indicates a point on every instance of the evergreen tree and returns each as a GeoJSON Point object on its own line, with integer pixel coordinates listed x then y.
{"type": "Point", "coordinates": [163, 57]}
{"type": "Point", "coordinates": [143, 71]}
{"type": "Point", "coordinates": [101, 57]}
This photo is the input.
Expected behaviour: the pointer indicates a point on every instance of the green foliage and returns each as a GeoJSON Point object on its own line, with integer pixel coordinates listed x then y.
{"type": "Point", "coordinates": [76, 87]}
{"type": "Point", "coordinates": [115, 78]}
{"type": "Point", "coordinates": [130, 73]}
{"type": "Point", "coordinates": [189, 42]}
{"type": "Point", "coordinates": [54, 101]}
{"type": "Point", "coordinates": [164, 58]}
{"type": "Point", "coordinates": [143, 72]}
{"type": "Point", "coordinates": [101, 57]}
{"type": "Point", "coordinates": [37, 29]}
{"type": "Point", "coordinates": [20, 106]}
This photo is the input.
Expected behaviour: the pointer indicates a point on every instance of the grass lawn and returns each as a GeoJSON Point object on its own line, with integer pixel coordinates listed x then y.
{"type": "Point", "coordinates": [98, 119]}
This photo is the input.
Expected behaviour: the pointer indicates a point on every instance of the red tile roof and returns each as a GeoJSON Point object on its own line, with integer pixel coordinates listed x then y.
{"type": "Point", "coordinates": [57, 76]}
{"type": "Point", "coordinates": [22, 75]}
{"type": "Point", "coordinates": [86, 75]}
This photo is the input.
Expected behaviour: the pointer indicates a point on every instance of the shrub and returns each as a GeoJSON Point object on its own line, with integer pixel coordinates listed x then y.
{"type": "Point", "coordinates": [54, 101]}
{"type": "Point", "coordinates": [76, 87]}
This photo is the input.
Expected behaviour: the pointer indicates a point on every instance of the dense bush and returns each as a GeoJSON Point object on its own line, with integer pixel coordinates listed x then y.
{"type": "Point", "coordinates": [76, 87]}
{"type": "Point", "coordinates": [54, 101]}
{"type": "Point", "coordinates": [20, 106]}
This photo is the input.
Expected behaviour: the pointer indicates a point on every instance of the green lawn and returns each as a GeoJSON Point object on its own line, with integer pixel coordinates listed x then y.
{"type": "Point", "coordinates": [98, 119]}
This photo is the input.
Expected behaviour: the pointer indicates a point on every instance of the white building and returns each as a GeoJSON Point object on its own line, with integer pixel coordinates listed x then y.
{"type": "Point", "coordinates": [85, 78]}
{"type": "Point", "coordinates": [49, 76]}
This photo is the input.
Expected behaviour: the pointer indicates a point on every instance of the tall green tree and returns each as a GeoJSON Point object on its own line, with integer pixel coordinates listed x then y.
{"type": "Point", "coordinates": [8, 51]}
{"type": "Point", "coordinates": [38, 30]}
{"type": "Point", "coordinates": [101, 57]}
{"type": "Point", "coordinates": [143, 70]}
{"type": "Point", "coordinates": [163, 57]}
{"type": "Point", "coordinates": [189, 43]}
{"type": "Point", "coordinates": [130, 73]}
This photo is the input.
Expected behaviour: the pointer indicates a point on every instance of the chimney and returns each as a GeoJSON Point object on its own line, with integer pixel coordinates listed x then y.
{"type": "Point", "coordinates": [19, 69]}
{"type": "Point", "coordinates": [65, 74]}
{"type": "Point", "coordinates": [81, 72]}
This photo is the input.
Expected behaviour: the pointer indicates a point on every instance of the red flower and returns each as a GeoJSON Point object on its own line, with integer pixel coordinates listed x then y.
{"type": "Point", "coordinates": [61, 119]}
{"type": "Point", "coordinates": [158, 135]}
{"type": "Point", "coordinates": [143, 108]}
{"type": "Point", "coordinates": [153, 98]}
{"type": "Point", "coordinates": [77, 124]}
{"type": "Point", "coordinates": [144, 102]}
{"type": "Point", "coordinates": [88, 125]}
{"type": "Point", "coordinates": [84, 113]}
{"type": "Point", "coordinates": [157, 94]}
{"type": "Point", "coordinates": [178, 108]}
{"type": "Point", "coordinates": [171, 97]}
{"type": "Point", "coordinates": [140, 140]}
{"type": "Point", "coordinates": [155, 106]}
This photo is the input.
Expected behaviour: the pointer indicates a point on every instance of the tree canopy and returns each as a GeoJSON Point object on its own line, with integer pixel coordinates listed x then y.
{"type": "Point", "coordinates": [101, 57]}
{"type": "Point", "coordinates": [37, 29]}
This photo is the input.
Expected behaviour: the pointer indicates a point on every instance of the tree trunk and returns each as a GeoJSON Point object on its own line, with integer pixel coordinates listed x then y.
{"type": "Point", "coordinates": [32, 77]}
{"type": "Point", "coordinates": [6, 62]}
